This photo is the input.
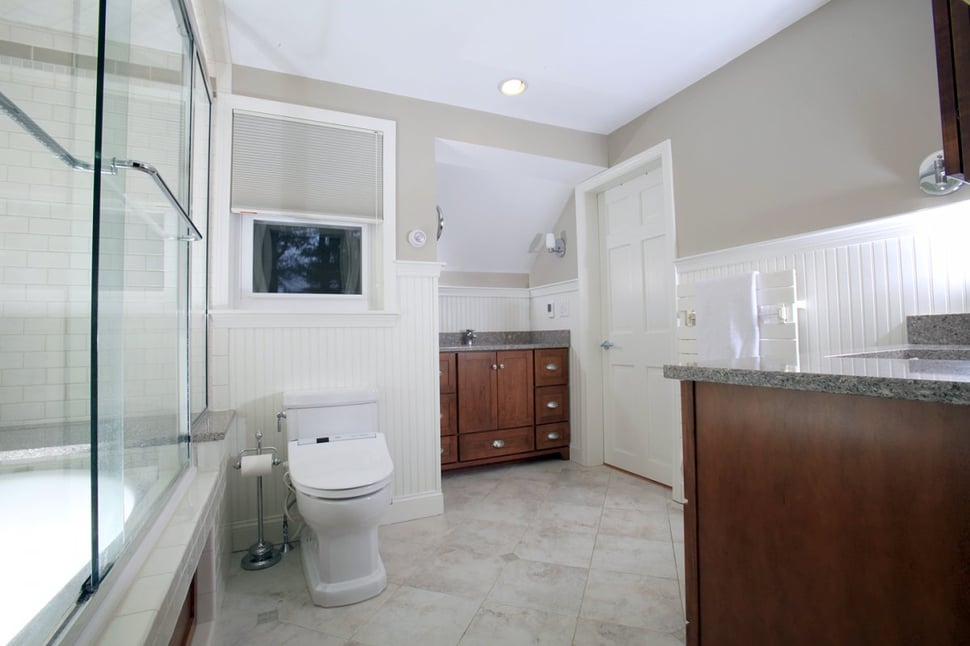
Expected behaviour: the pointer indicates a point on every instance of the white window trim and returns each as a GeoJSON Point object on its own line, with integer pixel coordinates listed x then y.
{"type": "Point", "coordinates": [227, 283]}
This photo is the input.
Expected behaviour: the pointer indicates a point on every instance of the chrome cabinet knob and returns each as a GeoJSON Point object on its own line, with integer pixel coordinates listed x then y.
{"type": "Point", "coordinates": [553, 435]}
{"type": "Point", "coordinates": [501, 366]}
{"type": "Point", "coordinates": [494, 367]}
{"type": "Point", "coordinates": [551, 366]}
{"type": "Point", "coordinates": [552, 405]}
{"type": "Point", "coordinates": [442, 451]}
{"type": "Point", "coordinates": [498, 444]}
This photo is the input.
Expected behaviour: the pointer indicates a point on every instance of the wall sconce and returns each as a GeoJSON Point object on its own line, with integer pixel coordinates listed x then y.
{"type": "Point", "coordinates": [933, 179]}
{"type": "Point", "coordinates": [550, 243]}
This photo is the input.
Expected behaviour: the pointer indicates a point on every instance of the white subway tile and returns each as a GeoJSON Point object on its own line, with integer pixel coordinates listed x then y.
{"type": "Point", "coordinates": [11, 359]}
{"type": "Point", "coordinates": [11, 394]}
{"type": "Point", "coordinates": [22, 412]}
{"type": "Point", "coordinates": [23, 377]}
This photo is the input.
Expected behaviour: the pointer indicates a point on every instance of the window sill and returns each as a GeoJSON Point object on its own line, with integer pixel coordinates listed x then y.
{"type": "Point", "coordinates": [278, 319]}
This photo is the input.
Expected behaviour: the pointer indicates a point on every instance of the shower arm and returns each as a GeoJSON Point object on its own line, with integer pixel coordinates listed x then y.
{"type": "Point", "coordinates": [14, 112]}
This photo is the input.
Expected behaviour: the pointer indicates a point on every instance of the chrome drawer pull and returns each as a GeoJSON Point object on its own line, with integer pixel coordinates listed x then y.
{"type": "Point", "coordinates": [551, 366]}
{"type": "Point", "coordinates": [553, 436]}
{"type": "Point", "coordinates": [498, 444]}
{"type": "Point", "coordinates": [552, 405]}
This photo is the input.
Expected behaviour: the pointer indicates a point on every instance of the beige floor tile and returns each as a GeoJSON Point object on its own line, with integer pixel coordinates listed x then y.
{"type": "Point", "coordinates": [633, 600]}
{"type": "Point", "coordinates": [280, 634]}
{"type": "Point", "coordinates": [500, 509]}
{"type": "Point", "coordinates": [636, 497]}
{"type": "Point", "coordinates": [487, 537]}
{"type": "Point", "coordinates": [652, 525]}
{"type": "Point", "coordinates": [521, 489]}
{"type": "Point", "coordinates": [598, 633]}
{"type": "Point", "coordinates": [589, 495]}
{"type": "Point", "coordinates": [413, 617]}
{"type": "Point", "coordinates": [568, 517]}
{"type": "Point", "coordinates": [634, 555]}
{"type": "Point", "coordinates": [403, 558]}
{"type": "Point", "coordinates": [298, 609]}
{"type": "Point", "coordinates": [540, 586]}
{"type": "Point", "coordinates": [552, 545]}
{"type": "Point", "coordinates": [458, 571]}
{"type": "Point", "coordinates": [511, 626]}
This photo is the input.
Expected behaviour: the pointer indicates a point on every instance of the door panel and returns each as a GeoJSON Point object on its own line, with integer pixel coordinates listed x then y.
{"type": "Point", "coordinates": [639, 403]}
{"type": "Point", "coordinates": [476, 392]}
{"type": "Point", "coordinates": [515, 389]}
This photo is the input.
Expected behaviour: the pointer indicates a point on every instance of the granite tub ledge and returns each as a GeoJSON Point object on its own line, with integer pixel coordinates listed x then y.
{"type": "Point", "coordinates": [896, 378]}
{"type": "Point", "coordinates": [498, 341]}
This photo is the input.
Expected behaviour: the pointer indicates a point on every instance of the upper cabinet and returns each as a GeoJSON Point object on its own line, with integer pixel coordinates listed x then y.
{"type": "Point", "coordinates": [952, 21]}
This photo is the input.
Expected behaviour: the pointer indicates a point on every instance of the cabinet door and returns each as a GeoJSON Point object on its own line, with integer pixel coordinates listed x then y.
{"type": "Point", "coordinates": [477, 376]}
{"type": "Point", "coordinates": [516, 406]}
{"type": "Point", "coordinates": [552, 367]}
{"type": "Point", "coordinates": [447, 377]}
{"type": "Point", "coordinates": [449, 414]}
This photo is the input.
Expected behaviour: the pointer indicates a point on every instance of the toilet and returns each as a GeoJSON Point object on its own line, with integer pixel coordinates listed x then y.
{"type": "Point", "coordinates": [340, 469]}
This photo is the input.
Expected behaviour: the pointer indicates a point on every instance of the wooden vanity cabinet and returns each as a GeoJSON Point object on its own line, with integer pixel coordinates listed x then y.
{"type": "Point", "coordinates": [952, 29]}
{"type": "Point", "coordinates": [819, 518]}
{"type": "Point", "coordinates": [496, 399]}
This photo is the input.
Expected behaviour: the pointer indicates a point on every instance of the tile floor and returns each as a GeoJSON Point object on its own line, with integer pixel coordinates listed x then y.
{"type": "Point", "coordinates": [546, 552]}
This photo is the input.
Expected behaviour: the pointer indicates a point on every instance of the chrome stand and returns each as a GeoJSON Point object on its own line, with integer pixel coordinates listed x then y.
{"type": "Point", "coordinates": [261, 554]}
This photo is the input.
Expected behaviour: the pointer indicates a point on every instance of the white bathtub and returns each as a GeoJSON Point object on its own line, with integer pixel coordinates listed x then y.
{"type": "Point", "coordinates": [46, 517]}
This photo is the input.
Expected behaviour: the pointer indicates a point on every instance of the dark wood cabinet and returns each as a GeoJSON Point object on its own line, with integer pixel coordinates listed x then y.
{"type": "Point", "coordinates": [495, 404]}
{"type": "Point", "coordinates": [819, 518]}
{"type": "Point", "coordinates": [448, 381]}
{"type": "Point", "coordinates": [952, 23]}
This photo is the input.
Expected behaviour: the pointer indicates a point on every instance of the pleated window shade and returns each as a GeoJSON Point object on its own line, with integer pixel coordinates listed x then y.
{"type": "Point", "coordinates": [282, 165]}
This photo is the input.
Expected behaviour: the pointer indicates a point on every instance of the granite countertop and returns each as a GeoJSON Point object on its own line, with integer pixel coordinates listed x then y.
{"type": "Point", "coordinates": [212, 426]}
{"type": "Point", "coordinates": [497, 341]}
{"type": "Point", "coordinates": [900, 372]}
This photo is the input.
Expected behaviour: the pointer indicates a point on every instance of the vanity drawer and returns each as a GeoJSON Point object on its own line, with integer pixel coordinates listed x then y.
{"type": "Point", "coordinates": [552, 367]}
{"type": "Point", "coordinates": [475, 446]}
{"type": "Point", "coordinates": [449, 449]}
{"type": "Point", "coordinates": [552, 404]}
{"type": "Point", "coordinates": [551, 436]}
{"type": "Point", "coordinates": [449, 414]}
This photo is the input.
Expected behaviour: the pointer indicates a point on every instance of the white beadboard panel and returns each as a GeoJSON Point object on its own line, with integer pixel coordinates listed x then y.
{"type": "Point", "coordinates": [400, 360]}
{"type": "Point", "coordinates": [859, 283]}
{"type": "Point", "coordinates": [484, 309]}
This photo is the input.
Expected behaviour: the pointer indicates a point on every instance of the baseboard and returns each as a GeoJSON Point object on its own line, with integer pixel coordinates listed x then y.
{"type": "Point", "coordinates": [412, 507]}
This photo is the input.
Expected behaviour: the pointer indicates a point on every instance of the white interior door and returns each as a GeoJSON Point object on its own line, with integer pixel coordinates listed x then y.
{"type": "Point", "coordinates": [640, 406]}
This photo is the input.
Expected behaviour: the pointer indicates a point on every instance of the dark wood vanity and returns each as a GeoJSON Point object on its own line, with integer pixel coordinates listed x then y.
{"type": "Point", "coordinates": [818, 517]}
{"type": "Point", "coordinates": [952, 24]}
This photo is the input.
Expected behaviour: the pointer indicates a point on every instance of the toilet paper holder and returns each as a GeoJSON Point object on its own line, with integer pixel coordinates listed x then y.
{"type": "Point", "coordinates": [257, 451]}
{"type": "Point", "coordinates": [261, 554]}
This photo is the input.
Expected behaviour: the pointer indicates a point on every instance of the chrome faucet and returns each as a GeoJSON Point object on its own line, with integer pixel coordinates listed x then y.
{"type": "Point", "coordinates": [468, 336]}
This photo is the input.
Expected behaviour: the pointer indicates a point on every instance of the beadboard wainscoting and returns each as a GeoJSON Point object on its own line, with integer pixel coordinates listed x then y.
{"type": "Point", "coordinates": [255, 359]}
{"type": "Point", "coordinates": [489, 309]}
{"type": "Point", "coordinates": [858, 283]}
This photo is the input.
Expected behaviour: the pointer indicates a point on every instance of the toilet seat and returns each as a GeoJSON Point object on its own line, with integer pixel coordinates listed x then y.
{"type": "Point", "coordinates": [340, 470]}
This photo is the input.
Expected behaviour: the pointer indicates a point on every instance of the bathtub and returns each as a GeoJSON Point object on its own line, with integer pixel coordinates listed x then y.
{"type": "Point", "coordinates": [47, 516]}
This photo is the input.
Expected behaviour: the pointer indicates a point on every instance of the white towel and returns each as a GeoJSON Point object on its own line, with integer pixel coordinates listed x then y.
{"type": "Point", "coordinates": [727, 317]}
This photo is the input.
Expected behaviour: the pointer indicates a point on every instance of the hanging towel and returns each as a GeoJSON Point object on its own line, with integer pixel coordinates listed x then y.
{"type": "Point", "coordinates": [727, 317]}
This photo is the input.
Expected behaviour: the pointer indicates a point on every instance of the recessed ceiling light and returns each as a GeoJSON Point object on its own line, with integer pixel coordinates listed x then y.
{"type": "Point", "coordinates": [512, 87]}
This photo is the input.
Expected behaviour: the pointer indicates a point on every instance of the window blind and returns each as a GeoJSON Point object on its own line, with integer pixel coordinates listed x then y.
{"type": "Point", "coordinates": [283, 165]}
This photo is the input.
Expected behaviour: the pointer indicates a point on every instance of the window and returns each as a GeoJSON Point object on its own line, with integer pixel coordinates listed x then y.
{"type": "Point", "coordinates": [311, 208]}
{"type": "Point", "coordinates": [306, 258]}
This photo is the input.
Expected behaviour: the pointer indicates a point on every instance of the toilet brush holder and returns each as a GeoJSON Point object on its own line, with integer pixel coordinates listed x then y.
{"type": "Point", "coordinates": [254, 462]}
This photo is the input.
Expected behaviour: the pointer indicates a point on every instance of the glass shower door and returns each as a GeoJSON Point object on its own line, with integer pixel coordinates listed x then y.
{"type": "Point", "coordinates": [141, 355]}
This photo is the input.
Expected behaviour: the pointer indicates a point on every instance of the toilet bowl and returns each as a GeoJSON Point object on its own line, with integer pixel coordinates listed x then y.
{"type": "Point", "coordinates": [341, 471]}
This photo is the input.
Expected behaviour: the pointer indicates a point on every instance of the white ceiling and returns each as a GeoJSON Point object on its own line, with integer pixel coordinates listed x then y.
{"type": "Point", "coordinates": [591, 65]}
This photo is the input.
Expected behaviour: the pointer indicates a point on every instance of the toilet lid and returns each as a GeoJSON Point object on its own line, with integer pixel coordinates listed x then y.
{"type": "Point", "coordinates": [336, 466]}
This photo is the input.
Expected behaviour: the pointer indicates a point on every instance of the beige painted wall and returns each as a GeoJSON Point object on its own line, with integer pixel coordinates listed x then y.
{"type": "Point", "coordinates": [482, 279]}
{"type": "Point", "coordinates": [822, 125]}
{"type": "Point", "coordinates": [418, 124]}
{"type": "Point", "coordinates": [549, 268]}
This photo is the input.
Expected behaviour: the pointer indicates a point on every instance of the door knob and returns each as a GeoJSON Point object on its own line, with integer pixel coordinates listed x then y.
{"type": "Point", "coordinates": [606, 345]}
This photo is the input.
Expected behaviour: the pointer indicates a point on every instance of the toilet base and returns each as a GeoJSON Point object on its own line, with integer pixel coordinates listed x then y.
{"type": "Point", "coordinates": [341, 593]}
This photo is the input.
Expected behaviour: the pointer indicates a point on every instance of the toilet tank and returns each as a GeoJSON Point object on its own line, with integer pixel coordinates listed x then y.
{"type": "Point", "coordinates": [312, 415]}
